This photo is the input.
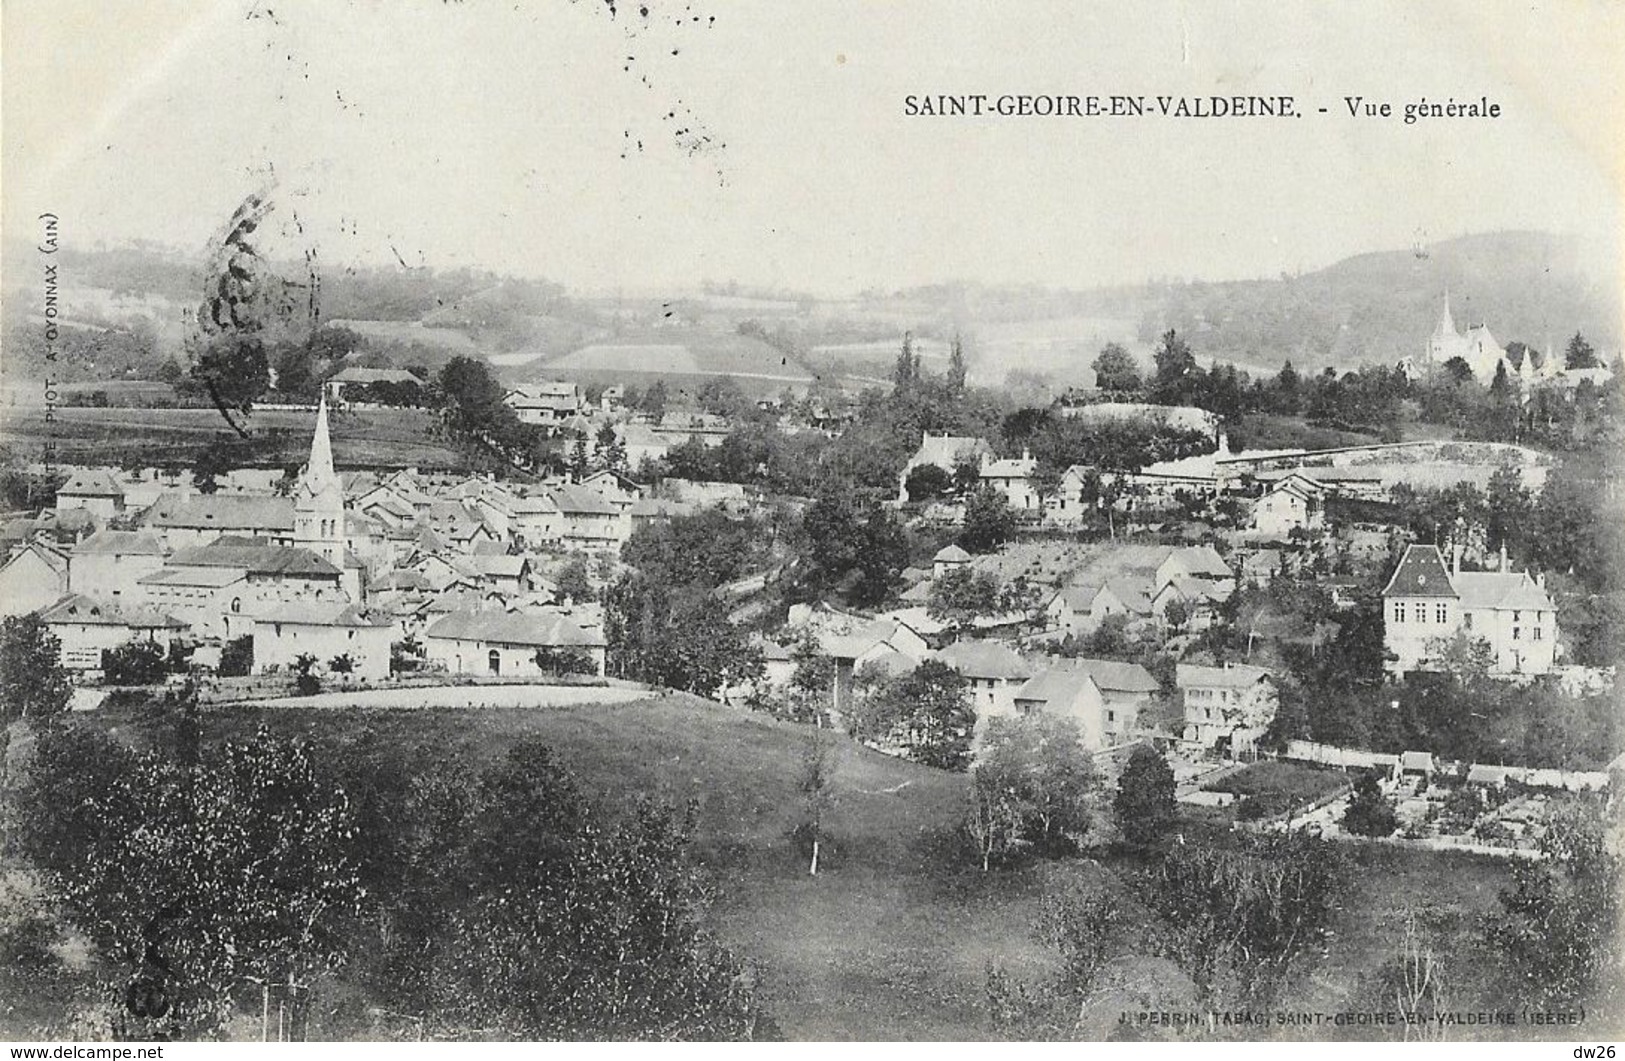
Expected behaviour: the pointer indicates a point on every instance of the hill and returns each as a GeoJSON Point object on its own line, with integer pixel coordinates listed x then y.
{"type": "Point", "coordinates": [1527, 286]}
{"type": "Point", "coordinates": [892, 939]}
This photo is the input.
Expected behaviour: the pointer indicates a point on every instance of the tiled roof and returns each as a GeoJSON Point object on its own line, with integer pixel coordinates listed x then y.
{"type": "Point", "coordinates": [1232, 676]}
{"type": "Point", "coordinates": [321, 613]}
{"type": "Point", "coordinates": [579, 500]}
{"type": "Point", "coordinates": [1056, 684]}
{"type": "Point", "coordinates": [77, 608]}
{"type": "Point", "coordinates": [1421, 573]}
{"type": "Point", "coordinates": [256, 558]}
{"type": "Point", "coordinates": [1504, 590]}
{"type": "Point", "coordinates": [119, 543]}
{"type": "Point", "coordinates": [225, 511]}
{"type": "Point", "coordinates": [91, 482]}
{"type": "Point", "coordinates": [951, 554]}
{"type": "Point", "coordinates": [1115, 676]}
{"type": "Point", "coordinates": [374, 375]}
{"type": "Point", "coordinates": [204, 577]}
{"type": "Point", "coordinates": [985, 659]}
{"type": "Point", "coordinates": [550, 629]}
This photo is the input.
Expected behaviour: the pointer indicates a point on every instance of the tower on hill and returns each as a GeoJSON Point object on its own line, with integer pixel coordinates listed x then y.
{"type": "Point", "coordinates": [318, 503]}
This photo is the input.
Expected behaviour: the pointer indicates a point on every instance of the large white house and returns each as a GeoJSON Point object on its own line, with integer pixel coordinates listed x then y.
{"type": "Point", "coordinates": [1427, 604]}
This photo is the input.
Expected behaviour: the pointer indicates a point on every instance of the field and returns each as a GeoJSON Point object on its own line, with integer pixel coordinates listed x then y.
{"type": "Point", "coordinates": [892, 938]}
{"type": "Point", "coordinates": [391, 438]}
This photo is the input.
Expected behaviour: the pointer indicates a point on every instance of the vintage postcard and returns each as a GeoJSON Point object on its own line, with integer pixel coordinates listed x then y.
{"type": "Point", "coordinates": [679, 520]}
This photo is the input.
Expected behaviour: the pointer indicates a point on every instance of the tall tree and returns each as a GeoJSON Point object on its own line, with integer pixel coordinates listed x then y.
{"type": "Point", "coordinates": [1579, 353]}
{"type": "Point", "coordinates": [1144, 803]}
{"type": "Point", "coordinates": [1176, 373]}
{"type": "Point", "coordinates": [32, 681]}
{"type": "Point", "coordinates": [956, 365]}
{"type": "Point", "coordinates": [1115, 369]}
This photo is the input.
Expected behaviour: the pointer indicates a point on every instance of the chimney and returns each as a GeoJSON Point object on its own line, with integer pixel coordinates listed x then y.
{"type": "Point", "coordinates": [1503, 558]}
{"type": "Point", "coordinates": [1455, 557]}
{"type": "Point", "coordinates": [1540, 580]}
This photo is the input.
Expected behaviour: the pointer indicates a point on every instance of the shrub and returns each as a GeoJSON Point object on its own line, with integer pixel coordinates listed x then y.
{"type": "Point", "coordinates": [1369, 812]}
{"type": "Point", "coordinates": [138, 662]}
{"type": "Point", "coordinates": [237, 657]}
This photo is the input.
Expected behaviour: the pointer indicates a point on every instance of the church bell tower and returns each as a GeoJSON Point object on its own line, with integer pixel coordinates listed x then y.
{"type": "Point", "coordinates": [318, 504]}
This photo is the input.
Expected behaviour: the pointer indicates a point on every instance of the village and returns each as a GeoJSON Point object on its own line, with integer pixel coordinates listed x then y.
{"type": "Point", "coordinates": [1129, 598]}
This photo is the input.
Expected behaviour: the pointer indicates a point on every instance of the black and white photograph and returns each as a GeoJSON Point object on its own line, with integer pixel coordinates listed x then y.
{"type": "Point", "coordinates": [688, 520]}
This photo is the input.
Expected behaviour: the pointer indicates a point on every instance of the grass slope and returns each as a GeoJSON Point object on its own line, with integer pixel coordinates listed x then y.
{"type": "Point", "coordinates": [892, 939]}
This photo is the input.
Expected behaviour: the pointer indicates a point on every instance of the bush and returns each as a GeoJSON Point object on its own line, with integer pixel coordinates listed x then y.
{"type": "Point", "coordinates": [1369, 812]}
{"type": "Point", "coordinates": [138, 662]}
{"type": "Point", "coordinates": [237, 657]}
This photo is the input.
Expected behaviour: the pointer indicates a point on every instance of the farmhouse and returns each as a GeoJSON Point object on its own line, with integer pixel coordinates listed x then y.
{"type": "Point", "coordinates": [1125, 690]}
{"type": "Point", "coordinates": [110, 563]}
{"type": "Point", "coordinates": [326, 630]}
{"type": "Point", "coordinates": [1295, 502]}
{"type": "Point", "coordinates": [365, 377]}
{"type": "Point", "coordinates": [498, 642]}
{"type": "Point", "coordinates": [548, 403]}
{"type": "Point", "coordinates": [86, 628]}
{"type": "Point", "coordinates": [94, 490]}
{"type": "Point", "coordinates": [1063, 692]}
{"type": "Point", "coordinates": [993, 670]}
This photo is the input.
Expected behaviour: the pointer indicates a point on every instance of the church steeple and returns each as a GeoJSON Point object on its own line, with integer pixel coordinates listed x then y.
{"type": "Point", "coordinates": [318, 504]}
{"type": "Point", "coordinates": [319, 469]}
{"type": "Point", "coordinates": [1447, 323]}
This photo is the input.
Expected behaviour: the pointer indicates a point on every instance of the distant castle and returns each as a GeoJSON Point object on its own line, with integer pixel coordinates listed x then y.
{"type": "Point", "coordinates": [1480, 351]}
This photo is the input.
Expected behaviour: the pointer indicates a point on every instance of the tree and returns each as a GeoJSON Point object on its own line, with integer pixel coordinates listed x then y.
{"type": "Point", "coordinates": [994, 814]}
{"type": "Point", "coordinates": [1177, 614]}
{"type": "Point", "coordinates": [1176, 372]}
{"type": "Point", "coordinates": [926, 713]}
{"type": "Point", "coordinates": [1555, 930]}
{"type": "Point", "coordinates": [574, 580]}
{"type": "Point", "coordinates": [906, 369]}
{"type": "Point", "coordinates": [473, 411]}
{"type": "Point", "coordinates": [817, 790]}
{"type": "Point", "coordinates": [214, 460]}
{"type": "Point", "coordinates": [197, 879]}
{"type": "Point", "coordinates": [1287, 397]}
{"type": "Point", "coordinates": [32, 682]}
{"type": "Point", "coordinates": [989, 521]}
{"type": "Point", "coordinates": [342, 664]}
{"type": "Point", "coordinates": [1369, 813]}
{"type": "Point", "coordinates": [927, 482]}
{"type": "Point", "coordinates": [136, 662]}
{"type": "Point", "coordinates": [1579, 353]}
{"type": "Point", "coordinates": [1144, 803]}
{"type": "Point", "coordinates": [1040, 762]}
{"type": "Point", "coordinates": [571, 928]}
{"type": "Point", "coordinates": [1115, 369]}
{"type": "Point", "coordinates": [848, 545]}
{"type": "Point", "coordinates": [675, 637]}
{"type": "Point", "coordinates": [962, 595]}
{"type": "Point", "coordinates": [1251, 910]}
{"type": "Point", "coordinates": [654, 401]}
{"type": "Point", "coordinates": [564, 661]}
{"type": "Point", "coordinates": [956, 366]}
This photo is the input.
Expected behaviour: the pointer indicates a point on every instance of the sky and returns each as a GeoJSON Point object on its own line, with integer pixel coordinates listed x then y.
{"type": "Point", "coordinates": [768, 144]}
